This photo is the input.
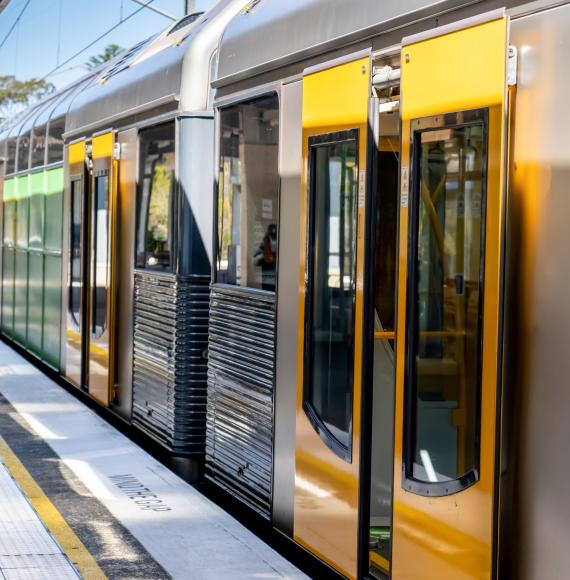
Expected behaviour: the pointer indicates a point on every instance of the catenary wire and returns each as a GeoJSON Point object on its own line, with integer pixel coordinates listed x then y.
{"type": "Point", "coordinates": [100, 37]}
{"type": "Point", "coordinates": [8, 34]}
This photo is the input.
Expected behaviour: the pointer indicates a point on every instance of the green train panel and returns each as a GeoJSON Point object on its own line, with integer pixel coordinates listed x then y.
{"type": "Point", "coordinates": [52, 310]}
{"type": "Point", "coordinates": [8, 264]}
{"type": "Point", "coordinates": [35, 302]}
{"type": "Point", "coordinates": [32, 262]}
{"type": "Point", "coordinates": [21, 296]}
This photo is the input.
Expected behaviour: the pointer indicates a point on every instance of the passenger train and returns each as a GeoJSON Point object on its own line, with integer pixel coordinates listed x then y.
{"type": "Point", "coordinates": [315, 249]}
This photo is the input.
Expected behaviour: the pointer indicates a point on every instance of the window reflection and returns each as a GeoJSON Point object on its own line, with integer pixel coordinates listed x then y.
{"type": "Point", "coordinates": [100, 242]}
{"type": "Point", "coordinates": [448, 302]}
{"type": "Point", "coordinates": [331, 271]}
{"type": "Point", "coordinates": [154, 232]}
{"type": "Point", "coordinates": [55, 140]}
{"type": "Point", "coordinates": [248, 194]}
{"type": "Point", "coordinates": [75, 252]}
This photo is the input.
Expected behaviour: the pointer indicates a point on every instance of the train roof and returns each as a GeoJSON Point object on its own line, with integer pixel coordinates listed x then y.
{"type": "Point", "coordinates": [171, 70]}
{"type": "Point", "coordinates": [269, 34]}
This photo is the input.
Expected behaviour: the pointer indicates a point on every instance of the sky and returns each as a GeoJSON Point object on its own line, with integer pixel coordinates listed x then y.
{"type": "Point", "coordinates": [49, 32]}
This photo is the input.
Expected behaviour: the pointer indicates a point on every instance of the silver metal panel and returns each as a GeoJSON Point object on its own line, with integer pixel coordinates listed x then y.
{"type": "Point", "coordinates": [538, 295]}
{"type": "Point", "coordinates": [302, 28]}
{"type": "Point", "coordinates": [241, 367]}
{"type": "Point", "coordinates": [127, 196]}
{"type": "Point", "coordinates": [290, 155]}
{"type": "Point", "coordinates": [169, 370]}
{"type": "Point", "coordinates": [196, 178]}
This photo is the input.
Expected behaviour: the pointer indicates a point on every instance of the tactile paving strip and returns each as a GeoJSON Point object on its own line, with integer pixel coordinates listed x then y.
{"type": "Point", "coordinates": [27, 549]}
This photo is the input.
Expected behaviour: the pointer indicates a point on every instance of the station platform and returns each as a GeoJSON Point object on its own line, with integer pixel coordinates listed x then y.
{"type": "Point", "coordinates": [78, 499]}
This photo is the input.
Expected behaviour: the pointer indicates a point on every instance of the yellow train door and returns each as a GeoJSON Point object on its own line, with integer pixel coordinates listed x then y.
{"type": "Point", "coordinates": [334, 117]}
{"type": "Point", "coordinates": [102, 211]}
{"type": "Point", "coordinates": [454, 113]}
{"type": "Point", "coordinates": [76, 266]}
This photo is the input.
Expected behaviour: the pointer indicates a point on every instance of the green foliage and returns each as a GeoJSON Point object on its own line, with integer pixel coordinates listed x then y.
{"type": "Point", "coordinates": [110, 52]}
{"type": "Point", "coordinates": [16, 95]}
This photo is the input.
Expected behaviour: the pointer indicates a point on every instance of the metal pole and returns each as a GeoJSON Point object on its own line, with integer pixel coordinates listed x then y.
{"type": "Point", "coordinates": [189, 6]}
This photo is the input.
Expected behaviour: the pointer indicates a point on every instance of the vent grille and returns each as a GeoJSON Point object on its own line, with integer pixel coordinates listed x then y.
{"type": "Point", "coordinates": [170, 367]}
{"type": "Point", "coordinates": [241, 357]}
{"type": "Point", "coordinates": [123, 61]}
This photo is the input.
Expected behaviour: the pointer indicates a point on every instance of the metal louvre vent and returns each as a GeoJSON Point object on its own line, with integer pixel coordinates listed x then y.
{"type": "Point", "coordinates": [241, 357]}
{"type": "Point", "coordinates": [123, 62]}
{"type": "Point", "coordinates": [169, 365]}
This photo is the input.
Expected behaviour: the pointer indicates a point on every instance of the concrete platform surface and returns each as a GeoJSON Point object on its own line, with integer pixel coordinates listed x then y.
{"type": "Point", "coordinates": [27, 548]}
{"type": "Point", "coordinates": [134, 516]}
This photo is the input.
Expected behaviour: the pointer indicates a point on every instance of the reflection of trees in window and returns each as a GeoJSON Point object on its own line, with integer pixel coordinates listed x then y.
{"type": "Point", "coordinates": [154, 229]}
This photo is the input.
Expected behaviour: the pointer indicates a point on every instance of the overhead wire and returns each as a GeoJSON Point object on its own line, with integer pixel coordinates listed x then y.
{"type": "Point", "coordinates": [100, 37]}
{"type": "Point", "coordinates": [14, 24]}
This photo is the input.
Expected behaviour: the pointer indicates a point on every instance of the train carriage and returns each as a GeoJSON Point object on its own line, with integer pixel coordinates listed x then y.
{"type": "Point", "coordinates": [392, 153]}
{"type": "Point", "coordinates": [318, 246]}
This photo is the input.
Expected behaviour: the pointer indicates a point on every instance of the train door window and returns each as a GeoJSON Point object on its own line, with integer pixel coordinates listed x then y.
{"type": "Point", "coordinates": [248, 194]}
{"type": "Point", "coordinates": [55, 140]}
{"type": "Point", "coordinates": [100, 255]}
{"type": "Point", "coordinates": [24, 152]}
{"type": "Point", "coordinates": [11, 155]}
{"type": "Point", "coordinates": [156, 192]}
{"type": "Point", "coordinates": [383, 313]}
{"type": "Point", "coordinates": [75, 252]}
{"type": "Point", "coordinates": [331, 270]}
{"type": "Point", "coordinates": [38, 146]}
{"type": "Point", "coordinates": [445, 322]}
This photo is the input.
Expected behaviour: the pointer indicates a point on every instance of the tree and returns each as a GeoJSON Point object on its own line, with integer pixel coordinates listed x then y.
{"type": "Point", "coordinates": [110, 52]}
{"type": "Point", "coordinates": [16, 95]}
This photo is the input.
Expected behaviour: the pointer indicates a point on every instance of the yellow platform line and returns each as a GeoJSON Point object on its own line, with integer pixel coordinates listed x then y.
{"type": "Point", "coordinates": [48, 513]}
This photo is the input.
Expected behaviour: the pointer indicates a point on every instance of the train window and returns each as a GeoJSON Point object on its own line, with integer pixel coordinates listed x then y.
{"type": "Point", "coordinates": [55, 140]}
{"type": "Point", "coordinates": [38, 146]}
{"type": "Point", "coordinates": [331, 269]}
{"type": "Point", "coordinates": [24, 152]}
{"type": "Point", "coordinates": [75, 252]}
{"type": "Point", "coordinates": [100, 264]}
{"type": "Point", "coordinates": [446, 273]}
{"type": "Point", "coordinates": [248, 194]}
{"type": "Point", "coordinates": [11, 155]}
{"type": "Point", "coordinates": [154, 230]}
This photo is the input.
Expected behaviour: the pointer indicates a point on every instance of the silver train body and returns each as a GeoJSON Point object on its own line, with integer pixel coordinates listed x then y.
{"type": "Point", "coordinates": [205, 347]}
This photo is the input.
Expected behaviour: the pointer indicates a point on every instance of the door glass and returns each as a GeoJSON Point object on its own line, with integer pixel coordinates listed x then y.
{"type": "Point", "coordinates": [100, 245]}
{"type": "Point", "coordinates": [385, 204]}
{"type": "Point", "coordinates": [154, 229]}
{"type": "Point", "coordinates": [75, 253]}
{"type": "Point", "coordinates": [248, 194]}
{"type": "Point", "coordinates": [331, 297]}
{"type": "Point", "coordinates": [447, 306]}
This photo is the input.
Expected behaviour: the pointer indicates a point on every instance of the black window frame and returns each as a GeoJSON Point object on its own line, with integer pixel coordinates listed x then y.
{"type": "Point", "coordinates": [173, 205]}
{"type": "Point", "coordinates": [217, 250]}
{"type": "Point", "coordinates": [328, 438]}
{"type": "Point", "coordinates": [418, 126]}
{"type": "Point", "coordinates": [104, 174]}
{"type": "Point", "coordinates": [80, 180]}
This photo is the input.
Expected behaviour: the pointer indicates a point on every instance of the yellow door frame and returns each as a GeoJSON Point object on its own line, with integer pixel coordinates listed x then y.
{"type": "Point", "coordinates": [335, 99]}
{"type": "Point", "coordinates": [456, 69]}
